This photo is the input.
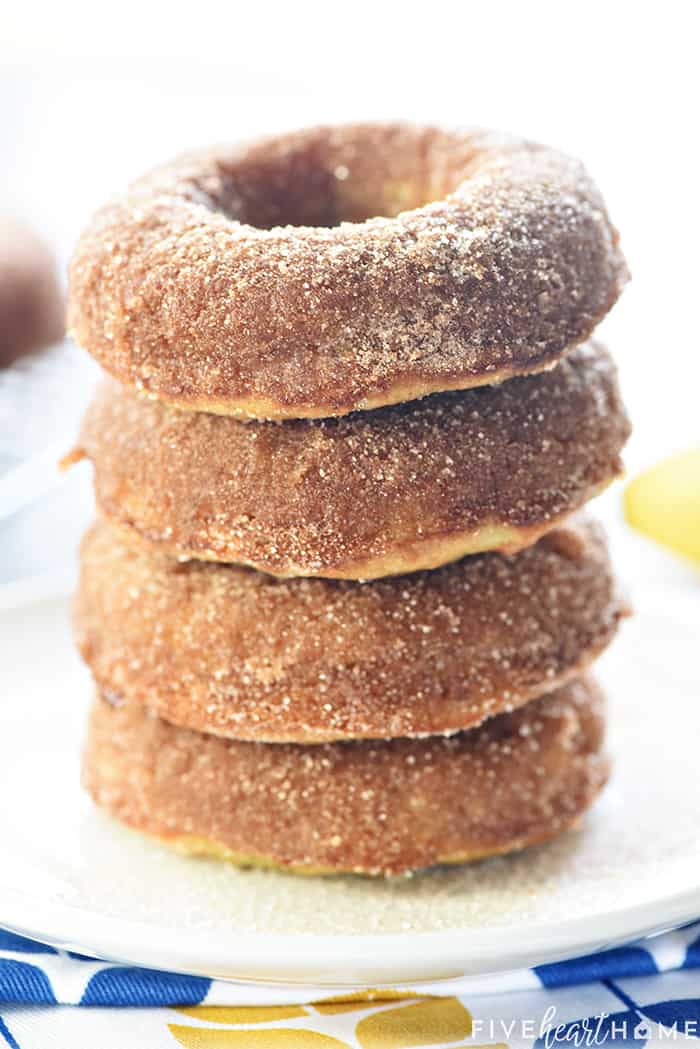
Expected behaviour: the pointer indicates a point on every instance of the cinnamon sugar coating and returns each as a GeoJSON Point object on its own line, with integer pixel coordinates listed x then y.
{"type": "Point", "coordinates": [377, 493]}
{"type": "Point", "coordinates": [31, 302]}
{"type": "Point", "coordinates": [254, 280]}
{"type": "Point", "coordinates": [230, 651]}
{"type": "Point", "coordinates": [365, 807]}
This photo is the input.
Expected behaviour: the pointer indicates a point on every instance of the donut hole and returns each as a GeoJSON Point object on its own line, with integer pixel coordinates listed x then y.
{"type": "Point", "coordinates": [328, 176]}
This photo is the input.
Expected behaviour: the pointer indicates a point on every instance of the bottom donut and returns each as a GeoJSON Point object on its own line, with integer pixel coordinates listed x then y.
{"type": "Point", "coordinates": [362, 807]}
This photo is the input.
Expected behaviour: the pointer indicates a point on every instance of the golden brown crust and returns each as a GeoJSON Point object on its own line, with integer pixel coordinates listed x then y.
{"type": "Point", "coordinates": [363, 807]}
{"type": "Point", "coordinates": [31, 303]}
{"type": "Point", "coordinates": [250, 280]}
{"type": "Point", "coordinates": [229, 651]}
{"type": "Point", "coordinates": [376, 493]}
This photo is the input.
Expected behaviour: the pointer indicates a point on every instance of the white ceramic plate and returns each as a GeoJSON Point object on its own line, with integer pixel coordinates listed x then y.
{"type": "Point", "coordinates": [70, 876]}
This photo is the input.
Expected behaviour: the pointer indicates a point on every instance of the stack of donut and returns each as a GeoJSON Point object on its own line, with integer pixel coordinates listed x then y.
{"type": "Point", "coordinates": [340, 602]}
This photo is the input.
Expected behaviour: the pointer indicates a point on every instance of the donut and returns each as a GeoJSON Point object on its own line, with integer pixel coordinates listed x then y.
{"type": "Point", "coordinates": [340, 268]}
{"type": "Point", "coordinates": [225, 650]}
{"type": "Point", "coordinates": [396, 490]}
{"type": "Point", "coordinates": [31, 303]}
{"type": "Point", "coordinates": [359, 807]}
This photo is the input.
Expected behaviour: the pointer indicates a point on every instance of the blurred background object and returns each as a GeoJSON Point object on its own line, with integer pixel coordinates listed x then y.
{"type": "Point", "coordinates": [90, 99]}
{"type": "Point", "coordinates": [664, 503]}
{"type": "Point", "coordinates": [31, 301]}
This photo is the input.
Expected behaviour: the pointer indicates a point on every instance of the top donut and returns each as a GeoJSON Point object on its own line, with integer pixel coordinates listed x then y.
{"type": "Point", "coordinates": [343, 268]}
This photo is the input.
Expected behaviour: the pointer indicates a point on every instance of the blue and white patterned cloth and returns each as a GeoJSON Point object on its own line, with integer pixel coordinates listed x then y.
{"type": "Point", "coordinates": [642, 994]}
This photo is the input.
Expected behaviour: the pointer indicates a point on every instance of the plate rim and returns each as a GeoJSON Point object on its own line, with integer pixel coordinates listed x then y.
{"type": "Point", "coordinates": [247, 956]}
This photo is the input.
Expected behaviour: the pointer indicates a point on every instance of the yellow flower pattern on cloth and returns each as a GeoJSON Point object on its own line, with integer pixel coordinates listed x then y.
{"type": "Point", "coordinates": [272, 1038]}
{"type": "Point", "coordinates": [664, 503]}
{"type": "Point", "coordinates": [389, 1020]}
{"type": "Point", "coordinates": [419, 1023]}
{"type": "Point", "coordinates": [243, 1014]}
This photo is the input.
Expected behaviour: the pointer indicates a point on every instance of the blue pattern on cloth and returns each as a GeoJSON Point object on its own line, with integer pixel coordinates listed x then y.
{"type": "Point", "coordinates": [612, 964]}
{"type": "Point", "coordinates": [635, 995]}
{"type": "Point", "coordinates": [10, 941]}
{"type": "Point", "coordinates": [131, 986]}
{"type": "Point", "coordinates": [22, 982]}
{"type": "Point", "coordinates": [692, 956]}
{"type": "Point", "coordinates": [35, 973]}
